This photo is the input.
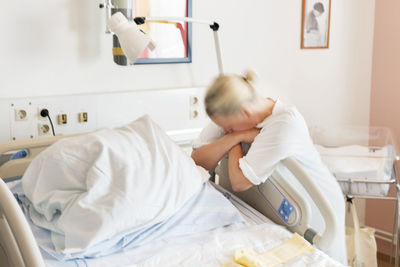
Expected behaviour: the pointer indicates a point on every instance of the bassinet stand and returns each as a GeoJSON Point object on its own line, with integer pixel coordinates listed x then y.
{"type": "Point", "coordinates": [396, 198]}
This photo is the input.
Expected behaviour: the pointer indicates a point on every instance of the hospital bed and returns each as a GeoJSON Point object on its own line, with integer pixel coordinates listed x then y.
{"type": "Point", "coordinates": [19, 248]}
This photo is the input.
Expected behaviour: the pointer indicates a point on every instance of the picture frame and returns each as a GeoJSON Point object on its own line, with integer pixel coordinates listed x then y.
{"type": "Point", "coordinates": [173, 40]}
{"type": "Point", "coordinates": [315, 24]}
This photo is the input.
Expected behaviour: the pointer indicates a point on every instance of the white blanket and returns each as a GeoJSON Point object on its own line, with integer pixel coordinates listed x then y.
{"type": "Point", "coordinates": [109, 183]}
{"type": "Point", "coordinates": [198, 249]}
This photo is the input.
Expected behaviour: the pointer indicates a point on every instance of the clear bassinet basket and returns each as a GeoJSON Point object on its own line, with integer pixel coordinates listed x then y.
{"type": "Point", "coordinates": [361, 158]}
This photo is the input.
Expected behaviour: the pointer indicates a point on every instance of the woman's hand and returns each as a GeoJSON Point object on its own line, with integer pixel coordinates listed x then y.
{"type": "Point", "coordinates": [247, 136]}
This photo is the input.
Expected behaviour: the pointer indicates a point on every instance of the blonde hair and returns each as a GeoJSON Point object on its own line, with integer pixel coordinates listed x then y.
{"type": "Point", "coordinates": [228, 93]}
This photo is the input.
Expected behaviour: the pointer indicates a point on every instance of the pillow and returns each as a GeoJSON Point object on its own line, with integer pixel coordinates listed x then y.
{"type": "Point", "coordinates": [109, 183]}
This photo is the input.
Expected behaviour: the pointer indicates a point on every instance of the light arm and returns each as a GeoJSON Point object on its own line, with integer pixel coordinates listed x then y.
{"type": "Point", "coordinates": [218, 51]}
{"type": "Point", "coordinates": [213, 25]}
{"type": "Point", "coordinates": [141, 20]}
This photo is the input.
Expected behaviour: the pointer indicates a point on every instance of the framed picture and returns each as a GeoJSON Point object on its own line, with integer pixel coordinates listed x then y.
{"type": "Point", "coordinates": [173, 40]}
{"type": "Point", "coordinates": [315, 24]}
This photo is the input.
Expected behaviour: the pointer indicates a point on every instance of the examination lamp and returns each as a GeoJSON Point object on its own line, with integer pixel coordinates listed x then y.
{"type": "Point", "coordinates": [133, 40]}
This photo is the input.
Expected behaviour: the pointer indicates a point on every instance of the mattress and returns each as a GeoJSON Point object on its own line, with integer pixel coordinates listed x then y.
{"type": "Point", "coordinates": [212, 248]}
{"type": "Point", "coordinates": [363, 164]}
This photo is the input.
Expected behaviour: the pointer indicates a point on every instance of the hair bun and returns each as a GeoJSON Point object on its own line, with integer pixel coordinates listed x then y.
{"type": "Point", "coordinates": [250, 76]}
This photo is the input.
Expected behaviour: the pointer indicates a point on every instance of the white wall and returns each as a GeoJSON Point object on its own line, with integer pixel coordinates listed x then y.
{"type": "Point", "coordinates": [56, 47]}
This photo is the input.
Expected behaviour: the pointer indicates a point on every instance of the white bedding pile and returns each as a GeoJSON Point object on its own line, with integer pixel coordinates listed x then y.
{"type": "Point", "coordinates": [109, 183]}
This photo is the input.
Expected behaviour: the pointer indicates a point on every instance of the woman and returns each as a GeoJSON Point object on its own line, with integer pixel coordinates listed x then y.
{"type": "Point", "coordinates": [276, 131]}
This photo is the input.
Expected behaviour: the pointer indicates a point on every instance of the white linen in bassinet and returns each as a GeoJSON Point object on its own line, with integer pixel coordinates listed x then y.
{"type": "Point", "coordinates": [356, 162]}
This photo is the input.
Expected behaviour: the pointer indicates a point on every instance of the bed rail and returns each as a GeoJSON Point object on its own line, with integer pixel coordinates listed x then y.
{"type": "Point", "coordinates": [14, 222]}
{"type": "Point", "coordinates": [17, 167]}
{"type": "Point", "coordinates": [269, 197]}
{"type": "Point", "coordinates": [324, 240]}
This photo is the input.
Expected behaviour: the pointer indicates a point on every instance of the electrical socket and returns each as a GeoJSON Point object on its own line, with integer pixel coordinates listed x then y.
{"type": "Point", "coordinates": [194, 100]}
{"type": "Point", "coordinates": [40, 108]}
{"type": "Point", "coordinates": [194, 107]}
{"type": "Point", "coordinates": [194, 114]}
{"type": "Point", "coordinates": [20, 115]}
{"type": "Point", "coordinates": [43, 129]}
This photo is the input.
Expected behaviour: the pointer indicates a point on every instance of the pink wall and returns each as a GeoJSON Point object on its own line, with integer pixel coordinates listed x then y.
{"type": "Point", "coordinates": [385, 96]}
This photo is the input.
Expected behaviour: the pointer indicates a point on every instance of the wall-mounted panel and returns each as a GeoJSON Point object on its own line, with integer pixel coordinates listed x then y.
{"type": "Point", "coordinates": [178, 111]}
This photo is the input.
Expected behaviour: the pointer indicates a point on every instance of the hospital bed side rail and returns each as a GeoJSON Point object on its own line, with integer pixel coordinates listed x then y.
{"type": "Point", "coordinates": [15, 226]}
{"type": "Point", "coordinates": [270, 197]}
{"type": "Point", "coordinates": [322, 241]}
{"type": "Point", "coordinates": [17, 167]}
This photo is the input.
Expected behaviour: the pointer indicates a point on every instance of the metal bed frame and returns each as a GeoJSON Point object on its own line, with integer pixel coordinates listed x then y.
{"type": "Point", "coordinates": [396, 221]}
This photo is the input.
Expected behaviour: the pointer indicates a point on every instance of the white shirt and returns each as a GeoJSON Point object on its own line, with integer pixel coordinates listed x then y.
{"type": "Point", "coordinates": [285, 134]}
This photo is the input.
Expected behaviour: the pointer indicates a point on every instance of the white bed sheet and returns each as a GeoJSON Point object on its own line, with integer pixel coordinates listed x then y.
{"type": "Point", "coordinates": [211, 249]}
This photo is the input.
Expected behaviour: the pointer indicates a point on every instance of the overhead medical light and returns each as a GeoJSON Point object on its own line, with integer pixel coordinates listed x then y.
{"type": "Point", "coordinates": [133, 40]}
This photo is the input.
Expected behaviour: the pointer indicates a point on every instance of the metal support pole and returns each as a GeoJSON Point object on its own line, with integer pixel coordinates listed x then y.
{"type": "Point", "coordinates": [396, 260]}
{"type": "Point", "coordinates": [218, 51]}
{"type": "Point", "coordinates": [395, 227]}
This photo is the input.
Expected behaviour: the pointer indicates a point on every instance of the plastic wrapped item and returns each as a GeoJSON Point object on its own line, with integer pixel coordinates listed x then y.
{"type": "Point", "coordinates": [361, 158]}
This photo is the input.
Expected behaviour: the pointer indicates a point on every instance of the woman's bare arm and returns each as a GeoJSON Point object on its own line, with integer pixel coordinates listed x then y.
{"type": "Point", "coordinates": [238, 181]}
{"type": "Point", "coordinates": [208, 156]}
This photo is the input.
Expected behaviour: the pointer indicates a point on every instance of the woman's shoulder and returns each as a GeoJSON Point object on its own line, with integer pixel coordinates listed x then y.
{"type": "Point", "coordinates": [282, 112]}
{"type": "Point", "coordinates": [285, 120]}
{"type": "Point", "coordinates": [283, 108]}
